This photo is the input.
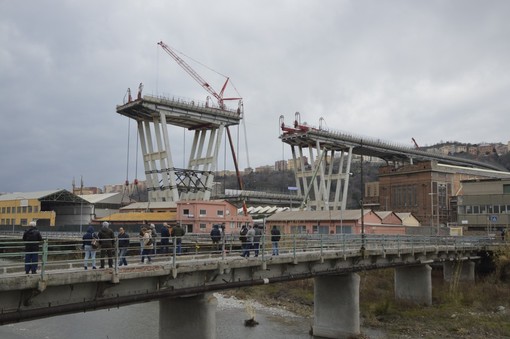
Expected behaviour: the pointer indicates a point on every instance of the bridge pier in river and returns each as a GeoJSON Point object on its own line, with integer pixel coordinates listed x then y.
{"type": "Point", "coordinates": [336, 306]}
{"type": "Point", "coordinates": [414, 284]}
{"type": "Point", "coordinates": [188, 317]}
{"type": "Point", "coordinates": [461, 270]}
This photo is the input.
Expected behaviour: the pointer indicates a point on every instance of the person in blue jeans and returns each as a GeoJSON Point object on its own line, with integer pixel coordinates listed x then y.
{"type": "Point", "coordinates": [275, 239]}
{"type": "Point", "coordinates": [32, 238]}
{"type": "Point", "coordinates": [123, 246]}
{"type": "Point", "coordinates": [90, 245]}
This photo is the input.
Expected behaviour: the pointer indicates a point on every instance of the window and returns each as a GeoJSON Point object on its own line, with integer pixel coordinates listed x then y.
{"type": "Point", "coordinates": [469, 209]}
{"type": "Point", "coordinates": [476, 209]}
{"type": "Point", "coordinates": [8, 210]}
{"type": "Point", "coordinates": [219, 213]}
{"type": "Point", "coordinates": [36, 209]}
{"type": "Point", "coordinates": [316, 229]}
{"type": "Point", "coordinates": [203, 227]}
{"type": "Point", "coordinates": [506, 189]}
{"type": "Point", "coordinates": [343, 229]}
{"type": "Point", "coordinates": [202, 213]}
{"type": "Point", "coordinates": [461, 209]}
{"type": "Point", "coordinates": [298, 229]}
{"type": "Point", "coordinates": [29, 209]}
{"type": "Point", "coordinates": [185, 211]}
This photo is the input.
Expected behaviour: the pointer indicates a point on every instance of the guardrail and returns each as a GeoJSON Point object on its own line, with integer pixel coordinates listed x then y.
{"type": "Point", "coordinates": [64, 250]}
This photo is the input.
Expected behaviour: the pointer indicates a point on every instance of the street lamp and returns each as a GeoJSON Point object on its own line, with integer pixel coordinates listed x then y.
{"type": "Point", "coordinates": [362, 191]}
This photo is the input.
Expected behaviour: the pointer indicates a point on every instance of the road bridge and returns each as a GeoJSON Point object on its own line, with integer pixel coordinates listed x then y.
{"type": "Point", "coordinates": [316, 180]}
{"type": "Point", "coordinates": [185, 282]}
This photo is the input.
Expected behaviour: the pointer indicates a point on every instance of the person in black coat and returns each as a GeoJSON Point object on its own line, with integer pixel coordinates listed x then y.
{"type": "Point", "coordinates": [32, 238]}
{"type": "Point", "coordinates": [107, 242]}
{"type": "Point", "coordinates": [123, 246]}
{"type": "Point", "coordinates": [216, 237]}
{"type": "Point", "coordinates": [275, 239]}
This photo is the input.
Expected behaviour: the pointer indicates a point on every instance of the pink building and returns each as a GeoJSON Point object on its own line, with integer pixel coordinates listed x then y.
{"type": "Point", "coordinates": [199, 216]}
{"type": "Point", "coordinates": [333, 222]}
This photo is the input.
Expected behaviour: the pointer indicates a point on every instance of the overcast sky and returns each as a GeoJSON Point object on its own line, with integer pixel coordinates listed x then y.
{"type": "Point", "coordinates": [432, 70]}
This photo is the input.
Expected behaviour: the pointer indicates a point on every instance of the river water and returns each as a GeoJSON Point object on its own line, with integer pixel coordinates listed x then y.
{"type": "Point", "coordinates": [142, 321]}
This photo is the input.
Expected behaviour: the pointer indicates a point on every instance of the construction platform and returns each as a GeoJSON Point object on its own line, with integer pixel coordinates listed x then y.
{"type": "Point", "coordinates": [192, 115]}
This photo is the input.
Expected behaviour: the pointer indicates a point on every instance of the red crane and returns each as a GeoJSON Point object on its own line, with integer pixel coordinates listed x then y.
{"type": "Point", "coordinates": [221, 104]}
{"type": "Point", "coordinates": [197, 77]}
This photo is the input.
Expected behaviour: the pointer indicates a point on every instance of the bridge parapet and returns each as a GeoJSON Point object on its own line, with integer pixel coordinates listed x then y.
{"type": "Point", "coordinates": [66, 287]}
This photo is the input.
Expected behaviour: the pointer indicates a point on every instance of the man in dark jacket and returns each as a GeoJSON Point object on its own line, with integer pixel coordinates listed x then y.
{"type": "Point", "coordinates": [216, 237]}
{"type": "Point", "coordinates": [178, 232]}
{"type": "Point", "coordinates": [106, 240]}
{"type": "Point", "coordinates": [32, 237]}
{"type": "Point", "coordinates": [123, 246]}
{"type": "Point", "coordinates": [275, 238]}
{"type": "Point", "coordinates": [165, 237]}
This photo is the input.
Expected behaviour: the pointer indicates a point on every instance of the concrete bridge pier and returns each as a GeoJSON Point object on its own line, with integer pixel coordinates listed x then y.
{"type": "Point", "coordinates": [336, 306]}
{"type": "Point", "coordinates": [188, 317]}
{"type": "Point", "coordinates": [414, 284]}
{"type": "Point", "coordinates": [461, 270]}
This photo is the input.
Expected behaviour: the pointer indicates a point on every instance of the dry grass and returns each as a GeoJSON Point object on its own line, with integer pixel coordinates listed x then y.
{"type": "Point", "coordinates": [459, 309]}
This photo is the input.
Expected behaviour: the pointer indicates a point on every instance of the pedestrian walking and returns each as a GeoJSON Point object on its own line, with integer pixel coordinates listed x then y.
{"type": "Point", "coordinates": [107, 244]}
{"type": "Point", "coordinates": [275, 239]}
{"type": "Point", "coordinates": [123, 246]}
{"type": "Point", "coordinates": [32, 237]}
{"type": "Point", "coordinates": [90, 245]}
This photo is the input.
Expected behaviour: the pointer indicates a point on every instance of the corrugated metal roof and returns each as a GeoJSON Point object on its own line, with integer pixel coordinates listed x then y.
{"type": "Point", "coordinates": [317, 215]}
{"type": "Point", "coordinates": [152, 205]}
{"type": "Point", "coordinates": [95, 198]}
{"type": "Point", "coordinates": [140, 217]}
{"type": "Point", "coordinates": [27, 195]}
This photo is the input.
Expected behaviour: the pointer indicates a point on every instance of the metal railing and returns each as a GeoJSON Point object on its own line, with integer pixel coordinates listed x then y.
{"type": "Point", "coordinates": [64, 251]}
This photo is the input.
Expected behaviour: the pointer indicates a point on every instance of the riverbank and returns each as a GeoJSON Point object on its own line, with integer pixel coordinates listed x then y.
{"type": "Point", "coordinates": [459, 309]}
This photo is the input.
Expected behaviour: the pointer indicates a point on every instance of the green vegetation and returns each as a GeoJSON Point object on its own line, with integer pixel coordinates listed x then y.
{"type": "Point", "coordinates": [459, 309]}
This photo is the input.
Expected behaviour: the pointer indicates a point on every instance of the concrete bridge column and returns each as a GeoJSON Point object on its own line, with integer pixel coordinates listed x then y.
{"type": "Point", "coordinates": [188, 317]}
{"type": "Point", "coordinates": [336, 306]}
{"type": "Point", "coordinates": [461, 270]}
{"type": "Point", "coordinates": [414, 283]}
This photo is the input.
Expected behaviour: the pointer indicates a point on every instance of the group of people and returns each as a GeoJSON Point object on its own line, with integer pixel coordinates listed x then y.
{"type": "Point", "coordinates": [250, 240]}
{"type": "Point", "coordinates": [104, 242]}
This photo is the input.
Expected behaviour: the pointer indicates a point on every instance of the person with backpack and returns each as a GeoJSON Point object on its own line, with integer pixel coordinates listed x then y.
{"type": "Point", "coordinates": [244, 242]}
{"type": "Point", "coordinates": [90, 245]}
{"type": "Point", "coordinates": [275, 239]}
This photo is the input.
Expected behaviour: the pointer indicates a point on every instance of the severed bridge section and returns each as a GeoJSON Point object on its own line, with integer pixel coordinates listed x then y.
{"type": "Point", "coordinates": [318, 179]}
{"type": "Point", "coordinates": [165, 182]}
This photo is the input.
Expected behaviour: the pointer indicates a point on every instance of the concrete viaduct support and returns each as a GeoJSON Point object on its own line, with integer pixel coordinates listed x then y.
{"type": "Point", "coordinates": [414, 284]}
{"type": "Point", "coordinates": [336, 306]}
{"type": "Point", "coordinates": [188, 317]}
{"type": "Point", "coordinates": [459, 271]}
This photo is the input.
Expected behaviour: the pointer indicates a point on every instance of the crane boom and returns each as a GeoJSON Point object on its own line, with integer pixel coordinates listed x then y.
{"type": "Point", "coordinates": [197, 77]}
